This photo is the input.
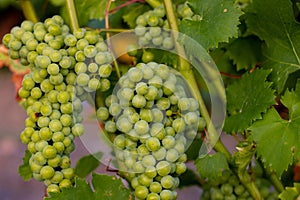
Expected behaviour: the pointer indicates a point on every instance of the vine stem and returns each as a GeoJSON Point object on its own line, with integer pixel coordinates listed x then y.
{"type": "Point", "coordinates": [153, 3]}
{"type": "Point", "coordinates": [28, 10]}
{"type": "Point", "coordinates": [71, 9]}
{"type": "Point", "coordinates": [108, 37]}
{"type": "Point", "coordinates": [186, 70]}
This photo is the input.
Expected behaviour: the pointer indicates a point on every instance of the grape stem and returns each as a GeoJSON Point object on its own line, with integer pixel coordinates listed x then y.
{"type": "Point", "coordinates": [154, 3]}
{"type": "Point", "coordinates": [186, 70]}
{"type": "Point", "coordinates": [28, 10]}
{"type": "Point", "coordinates": [71, 9]}
{"type": "Point", "coordinates": [108, 37]}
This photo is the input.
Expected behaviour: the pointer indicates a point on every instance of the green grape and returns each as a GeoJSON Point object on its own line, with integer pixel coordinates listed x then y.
{"type": "Point", "coordinates": [147, 57]}
{"type": "Point", "coordinates": [141, 192]}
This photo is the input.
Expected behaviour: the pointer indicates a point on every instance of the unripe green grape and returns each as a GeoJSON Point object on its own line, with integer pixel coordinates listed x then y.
{"type": "Point", "coordinates": [110, 126]}
{"type": "Point", "coordinates": [157, 130]}
{"type": "Point", "coordinates": [163, 168]}
{"type": "Point", "coordinates": [105, 70]}
{"type": "Point", "coordinates": [178, 125]}
{"type": "Point", "coordinates": [120, 141]}
{"type": "Point", "coordinates": [135, 74]}
{"type": "Point", "coordinates": [78, 129]}
{"type": "Point", "coordinates": [83, 79]}
{"type": "Point", "coordinates": [81, 44]}
{"type": "Point", "coordinates": [6, 39]}
{"type": "Point", "coordinates": [148, 160]}
{"type": "Point", "coordinates": [49, 152]}
{"type": "Point", "coordinates": [153, 20]}
{"type": "Point", "coordinates": [141, 127]}
{"type": "Point", "coordinates": [65, 183]}
{"type": "Point", "coordinates": [65, 62]}
{"type": "Point", "coordinates": [140, 30]}
{"type": "Point", "coordinates": [91, 37]}
{"type": "Point", "coordinates": [139, 101]}
{"type": "Point", "coordinates": [102, 113]}
{"type": "Point", "coordinates": [90, 51]}
{"type": "Point", "coordinates": [155, 187]}
{"type": "Point", "coordinates": [123, 125]}
{"type": "Point", "coordinates": [147, 56]}
{"type": "Point", "coordinates": [145, 180]}
{"type": "Point", "coordinates": [35, 168]}
{"type": "Point", "coordinates": [43, 121]}
{"type": "Point", "coordinates": [68, 173]}
{"type": "Point", "coordinates": [166, 195]}
{"type": "Point", "coordinates": [13, 54]}
{"type": "Point", "coordinates": [80, 67]}
{"type": "Point", "coordinates": [57, 177]}
{"type": "Point", "coordinates": [172, 155]}
{"type": "Point", "coordinates": [58, 137]}
{"type": "Point", "coordinates": [53, 188]}
{"type": "Point", "coordinates": [17, 32]}
{"type": "Point", "coordinates": [47, 172]}
{"type": "Point", "coordinates": [56, 79]}
{"type": "Point", "coordinates": [167, 182]}
{"type": "Point", "coordinates": [105, 84]}
{"type": "Point", "coordinates": [67, 141]}
{"type": "Point", "coordinates": [59, 146]}
{"type": "Point", "coordinates": [168, 43]}
{"type": "Point", "coordinates": [141, 192]}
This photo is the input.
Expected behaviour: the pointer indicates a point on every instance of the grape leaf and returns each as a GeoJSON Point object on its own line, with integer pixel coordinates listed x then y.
{"type": "Point", "coordinates": [218, 23]}
{"type": "Point", "coordinates": [104, 187]}
{"type": "Point", "coordinates": [212, 166]}
{"type": "Point", "coordinates": [290, 192]}
{"type": "Point", "coordinates": [247, 98]}
{"type": "Point", "coordinates": [24, 169]}
{"type": "Point", "coordinates": [245, 52]}
{"type": "Point", "coordinates": [273, 21]}
{"type": "Point", "coordinates": [110, 187]}
{"type": "Point", "coordinates": [87, 164]}
{"type": "Point", "coordinates": [132, 12]}
{"type": "Point", "coordinates": [279, 138]}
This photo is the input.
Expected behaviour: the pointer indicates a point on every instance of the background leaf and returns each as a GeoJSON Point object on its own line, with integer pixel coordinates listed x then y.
{"type": "Point", "coordinates": [110, 188]}
{"type": "Point", "coordinates": [274, 22]}
{"type": "Point", "coordinates": [87, 164]}
{"type": "Point", "coordinates": [279, 138]}
{"type": "Point", "coordinates": [212, 166]}
{"type": "Point", "coordinates": [24, 169]}
{"type": "Point", "coordinates": [104, 187]}
{"type": "Point", "coordinates": [219, 21]}
{"type": "Point", "coordinates": [245, 52]}
{"type": "Point", "coordinates": [248, 98]}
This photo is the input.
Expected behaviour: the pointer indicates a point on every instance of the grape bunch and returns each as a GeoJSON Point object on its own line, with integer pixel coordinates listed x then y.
{"type": "Point", "coordinates": [93, 60]}
{"type": "Point", "coordinates": [154, 118]}
{"type": "Point", "coordinates": [153, 30]}
{"type": "Point", "coordinates": [230, 188]}
{"type": "Point", "coordinates": [63, 67]}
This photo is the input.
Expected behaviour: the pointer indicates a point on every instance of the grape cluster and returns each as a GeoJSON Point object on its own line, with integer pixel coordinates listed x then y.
{"type": "Point", "coordinates": [93, 60]}
{"type": "Point", "coordinates": [63, 67]}
{"type": "Point", "coordinates": [230, 188]}
{"type": "Point", "coordinates": [153, 28]}
{"type": "Point", "coordinates": [154, 119]}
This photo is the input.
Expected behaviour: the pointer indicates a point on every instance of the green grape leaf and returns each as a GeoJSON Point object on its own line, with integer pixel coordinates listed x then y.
{"type": "Point", "coordinates": [290, 192]}
{"type": "Point", "coordinates": [212, 166]}
{"type": "Point", "coordinates": [248, 98]}
{"type": "Point", "coordinates": [274, 22]}
{"type": "Point", "coordinates": [110, 187]}
{"type": "Point", "coordinates": [133, 11]}
{"type": "Point", "coordinates": [87, 164]}
{"type": "Point", "coordinates": [188, 178]}
{"type": "Point", "coordinates": [81, 191]}
{"type": "Point", "coordinates": [24, 169]}
{"type": "Point", "coordinates": [104, 187]}
{"type": "Point", "coordinates": [279, 138]}
{"type": "Point", "coordinates": [218, 22]}
{"type": "Point", "coordinates": [245, 52]}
